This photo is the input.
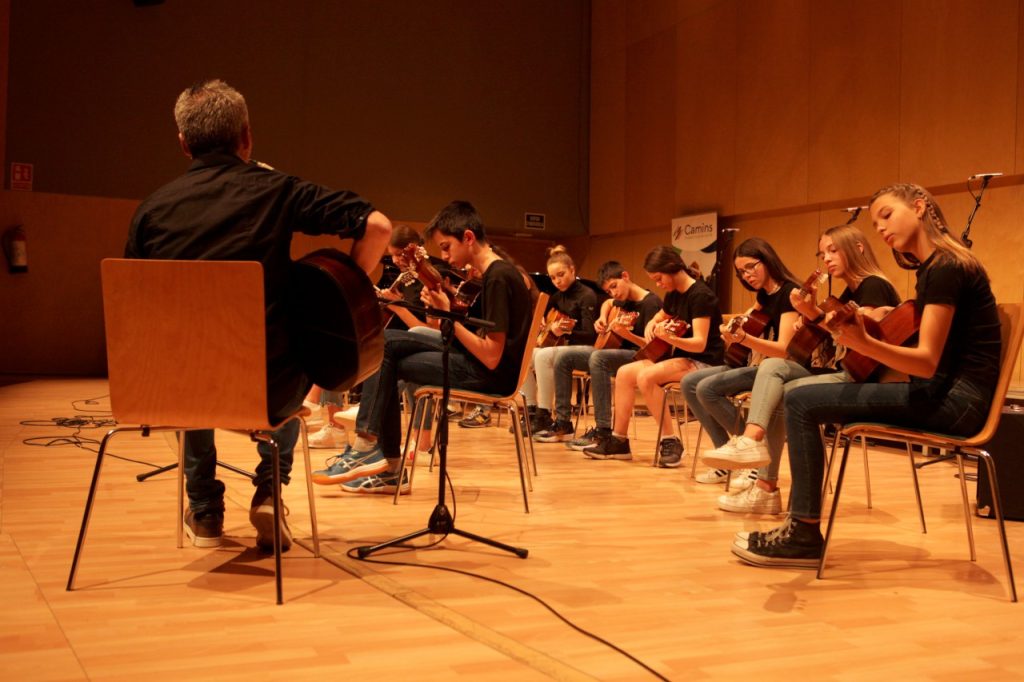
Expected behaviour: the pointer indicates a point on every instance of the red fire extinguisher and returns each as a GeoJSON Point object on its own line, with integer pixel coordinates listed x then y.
{"type": "Point", "coordinates": [15, 248]}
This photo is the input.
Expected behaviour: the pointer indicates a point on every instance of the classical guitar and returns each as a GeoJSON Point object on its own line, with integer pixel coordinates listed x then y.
{"type": "Point", "coordinates": [342, 348]}
{"type": "Point", "coordinates": [461, 297]}
{"type": "Point", "coordinates": [896, 328]}
{"type": "Point", "coordinates": [658, 348]}
{"type": "Point", "coordinates": [404, 278]}
{"type": "Point", "coordinates": [555, 319]}
{"type": "Point", "coordinates": [754, 324]}
{"type": "Point", "coordinates": [809, 336]}
{"type": "Point", "coordinates": [609, 340]}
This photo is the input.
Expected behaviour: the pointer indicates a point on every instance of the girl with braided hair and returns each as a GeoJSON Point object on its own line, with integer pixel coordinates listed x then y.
{"type": "Point", "coordinates": [953, 366]}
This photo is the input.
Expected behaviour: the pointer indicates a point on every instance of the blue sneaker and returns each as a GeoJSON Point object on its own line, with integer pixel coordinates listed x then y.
{"type": "Point", "coordinates": [379, 484]}
{"type": "Point", "coordinates": [351, 464]}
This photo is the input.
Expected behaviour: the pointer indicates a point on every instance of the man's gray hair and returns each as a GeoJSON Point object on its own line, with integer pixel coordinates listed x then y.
{"type": "Point", "coordinates": [211, 115]}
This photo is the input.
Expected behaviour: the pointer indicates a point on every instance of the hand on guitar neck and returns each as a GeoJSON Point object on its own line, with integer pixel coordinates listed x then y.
{"type": "Point", "coordinates": [438, 290]}
{"type": "Point", "coordinates": [660, 346]}
{"type": "Point", "coordinates": [612, 334]}
{"type": "Point", "coordinates": [751, 324]}
{"type": "Point", "coordinates": [808, 336]}
{"type": "Point", "coordinates": [556, 329]}
{"type": "Point", "coordinates": [851, 327]}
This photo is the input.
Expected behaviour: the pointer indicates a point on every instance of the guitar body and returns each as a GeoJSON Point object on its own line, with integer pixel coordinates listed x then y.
{"type": "Point", "coordinates": [896, 328]}
{"type": "Point", "coordinates": [801, 347]}
{"type": "Point", "coordinates": [547, 338]}
{"type": "Point", "coordinates": [657, 349]}
{"type": "Point", "coordinates": [340, 349]}
{"type": "Point", "coordinates": [754, 324]}
{"type": "Point", "coordinates": [609, 340]}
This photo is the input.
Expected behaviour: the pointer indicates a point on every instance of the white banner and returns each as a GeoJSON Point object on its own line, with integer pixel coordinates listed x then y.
{"type": "Point", "coordinates": [696, 237]}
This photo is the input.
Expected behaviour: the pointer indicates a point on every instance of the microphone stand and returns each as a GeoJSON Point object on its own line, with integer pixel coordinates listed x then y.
{"type": "Point", "coordinates": [966, 236]}
{"type": "Point", "coordinates": [441, 522]}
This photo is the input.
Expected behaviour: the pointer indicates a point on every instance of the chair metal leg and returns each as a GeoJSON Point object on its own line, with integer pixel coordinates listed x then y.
{"type": "Point", "coordinates": [917, 487]}
{"type": "Point", "coordinates": [835, 506]}
{"type": "Point", "coordinates": [517, 432]}
{"type": "Point", "coordinates": [304, 434]}
{"type": "Point", "coordinates": [696, 450]}
{"type": "Point", "coordinates": [90, 498]}
{"type": "Point", "coordinates": [181, 488]}
{"type": "Point", "coordinates": [867, 469]}
{"type": "Point", "coordinates": [416, 413]}
{"type": "Point", "coordinates": [966, 504]}
{"type": "Point", "coordinates": [997, 507]}
{"type": "Point", "coordinates": [661, 426]}
{"type": "Point", "coordinates": [529, 434]}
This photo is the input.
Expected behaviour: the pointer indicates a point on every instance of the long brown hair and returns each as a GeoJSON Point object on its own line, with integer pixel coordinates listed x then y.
{"type": "Point", "coordinates": [859, 263]}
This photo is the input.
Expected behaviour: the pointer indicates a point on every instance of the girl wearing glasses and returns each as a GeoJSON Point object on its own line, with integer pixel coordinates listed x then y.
{"type": "Point", "coordinates": [708, 391]}
{"type": "Point", "coordinates": [953, 368]}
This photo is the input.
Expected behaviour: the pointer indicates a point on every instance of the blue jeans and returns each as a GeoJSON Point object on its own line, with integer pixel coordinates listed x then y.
{"type": "Point", "coordinates": [205, 492]}
{"type": "Point", "coordinates": [707, 394]}
{"type": "Point", "coordinates": [602, 365]}
{"type": "Point", "coordinates": [961, 411]}
{"type": "Point", "coordinates": [416, 359]}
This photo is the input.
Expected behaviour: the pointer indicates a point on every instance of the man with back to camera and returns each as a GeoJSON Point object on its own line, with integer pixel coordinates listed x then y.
{"type": "Point", "coordinates": [226, 207]}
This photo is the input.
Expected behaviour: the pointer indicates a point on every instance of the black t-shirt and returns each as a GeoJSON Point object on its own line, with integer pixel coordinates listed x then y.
{"type": "Point", "coordinates": [647, 307]}
{"type": "Point", "coordinates": [775, 306]}
{"type": "Point", "coordinates": [873, 292]}
{"type": "Point", "coordinates": [580, 303]}
{"type": "Point", "coordinates": [506, 302]}
{"type": "Point", "coordinates": [974, 343]}
{"type": "Point", "coordinates": [223, 208]}
{"type": "Point", "coordinates": [698, 301]}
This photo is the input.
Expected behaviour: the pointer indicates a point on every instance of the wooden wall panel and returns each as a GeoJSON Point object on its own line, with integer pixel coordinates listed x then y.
{"type": "Point", "coordinates": [650, 132]}
{"type": "Point", "coordinates": [854, 126]}
{"type": "Point", "coordinates": [53, 314]}
{"type": "Point", "coordinates": [607, 28]}
{"type": "Point", "coordinates": [772, 68]}
{"type": "Point", "coordinates": [706, 111]}
{"type": "Point", "coordinates": [958, 90]}
{"type": "Point", "coordinates": [646, 18]}
{"type": "Point", "coordinates": [608, 143]}
{"type": "Point", "coordinates": [1019, 157]}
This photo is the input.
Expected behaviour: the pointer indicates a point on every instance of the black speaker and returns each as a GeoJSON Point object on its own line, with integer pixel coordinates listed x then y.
{"type": "Point", "coordinates": [1006, 450]}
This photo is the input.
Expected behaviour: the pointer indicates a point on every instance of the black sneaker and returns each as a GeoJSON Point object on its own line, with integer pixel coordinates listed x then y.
{"type": "Point", "coordinates": [611, 447]}
{"type": "Point", "coordinates": [204, 529]}
{"type": "Point", "coordinates": [479, 417]}
{"type": "Point", "coordinates": [670, 453]}
{"type": "Point", "coordinates": [541, 421]}
{"type": "Point", "coordinates": [261, 516]}
{"type": "Point", "coordinates": [587, 439]}
{"type": "Point", "coordinates": [794, 544]}
{"type": "Point", "coordinates": [559, 432]}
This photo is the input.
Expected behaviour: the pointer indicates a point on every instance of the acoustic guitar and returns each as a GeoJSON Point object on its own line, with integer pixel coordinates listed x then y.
{"type": "Point", "coordinates": [658, 348]}
{"type": "Point", "coordinates": [555, 319]}
{"type": "Point", "coordinates": [342, 348]}
{"type": "Point", "coordinates": [801, 347]}
{"type": "Point", "coordinates": [609, 340]}
{"type": "Point", "coordinates": [754, 324]}
{"type": "Point", "coordinates": [404, 278]}
{"type": "Point", "coordinates": [896, 328]}
{"type": "Point", "coordinates": [461, 296]}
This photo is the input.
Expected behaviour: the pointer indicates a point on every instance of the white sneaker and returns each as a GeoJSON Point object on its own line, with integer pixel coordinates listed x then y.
{"type": "Point", "coordinates": [347, 416]}
{"type": "Point", "coordinates": [712, 476]}
{"type": "Point", "coordinates": [316, 413]}
{"type": "Point", "coordinates": [743, 453]}
{"type": "Point", "coordinates": [742, 479]}
{"type": "Point", "coordinates": [753, 500]}
{"type": "Point", "coordinates": [329, 436]}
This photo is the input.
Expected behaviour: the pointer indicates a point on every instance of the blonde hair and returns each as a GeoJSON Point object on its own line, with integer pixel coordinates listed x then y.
{"type": "Point", "coordinates": [559, 254]}
{"type": "Point", "coordinates": [859, 263]}
{"type": "Point", "coordinates": [936, 229]}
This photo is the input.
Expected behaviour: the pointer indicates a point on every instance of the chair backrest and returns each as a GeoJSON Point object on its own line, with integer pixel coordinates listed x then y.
{"type": "Point", "coordinates": [186, 342]}
{"type": "Point", "coordinates": [531, 340]}
{"type": "Point", "coordinates": [1011, 322]}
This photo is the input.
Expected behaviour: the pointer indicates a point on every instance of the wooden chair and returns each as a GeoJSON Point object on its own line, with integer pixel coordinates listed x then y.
{"type": "Point", "coordinates": [513, 403]}
{"type": "Point", "coordinates": [186, 350]}
{"type": "Point", "coordinates": [957, 446]}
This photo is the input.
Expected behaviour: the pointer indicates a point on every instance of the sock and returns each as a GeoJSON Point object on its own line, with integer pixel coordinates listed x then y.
{"type": "Point", "coordinates": [620, 436]}
{"type": "Point", "coordinates": [364, 444]}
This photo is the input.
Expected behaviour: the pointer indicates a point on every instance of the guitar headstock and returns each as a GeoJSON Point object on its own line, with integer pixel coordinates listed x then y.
{"type": "Point", "coordinates": [734, 324]}
{"type": "Point", "coordinates": [812, 283]}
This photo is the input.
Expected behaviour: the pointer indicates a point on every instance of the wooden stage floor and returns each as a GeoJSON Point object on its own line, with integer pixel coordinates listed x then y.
{"type": "Point", "coordinates": [637, 555]}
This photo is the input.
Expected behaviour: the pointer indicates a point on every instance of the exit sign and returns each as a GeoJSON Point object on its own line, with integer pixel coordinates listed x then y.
{"type": "Point", "coordinates": [534, 221]}
{"type": "Point", "coordinates": [21, 176]}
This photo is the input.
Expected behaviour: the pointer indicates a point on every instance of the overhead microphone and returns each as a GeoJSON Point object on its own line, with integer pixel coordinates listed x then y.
{"type": "Point", "coordinates": [976, 176]}
{"type": "Point", "coordinates": [853, 209]}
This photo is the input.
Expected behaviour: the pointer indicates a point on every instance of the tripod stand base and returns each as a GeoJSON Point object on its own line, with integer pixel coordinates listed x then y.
{"type": "Point", "coordinates": [441, 523]}
{"type": "Point", "coordinates": [230, 467]}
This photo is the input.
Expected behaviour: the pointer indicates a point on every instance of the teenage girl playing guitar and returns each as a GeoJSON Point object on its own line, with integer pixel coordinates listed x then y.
{"type": "Point", "coordinates": [953, 368]}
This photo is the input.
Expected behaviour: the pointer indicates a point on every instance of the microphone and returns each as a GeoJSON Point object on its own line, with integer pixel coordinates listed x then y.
{"type": "Point", "coordinates": [853, 209]}
{"type": "Point", "coordinates": [985, 176]}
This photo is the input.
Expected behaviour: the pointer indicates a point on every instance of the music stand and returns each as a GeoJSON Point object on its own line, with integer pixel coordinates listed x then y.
{"type": "Point", "coordinates": [441, 521]}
